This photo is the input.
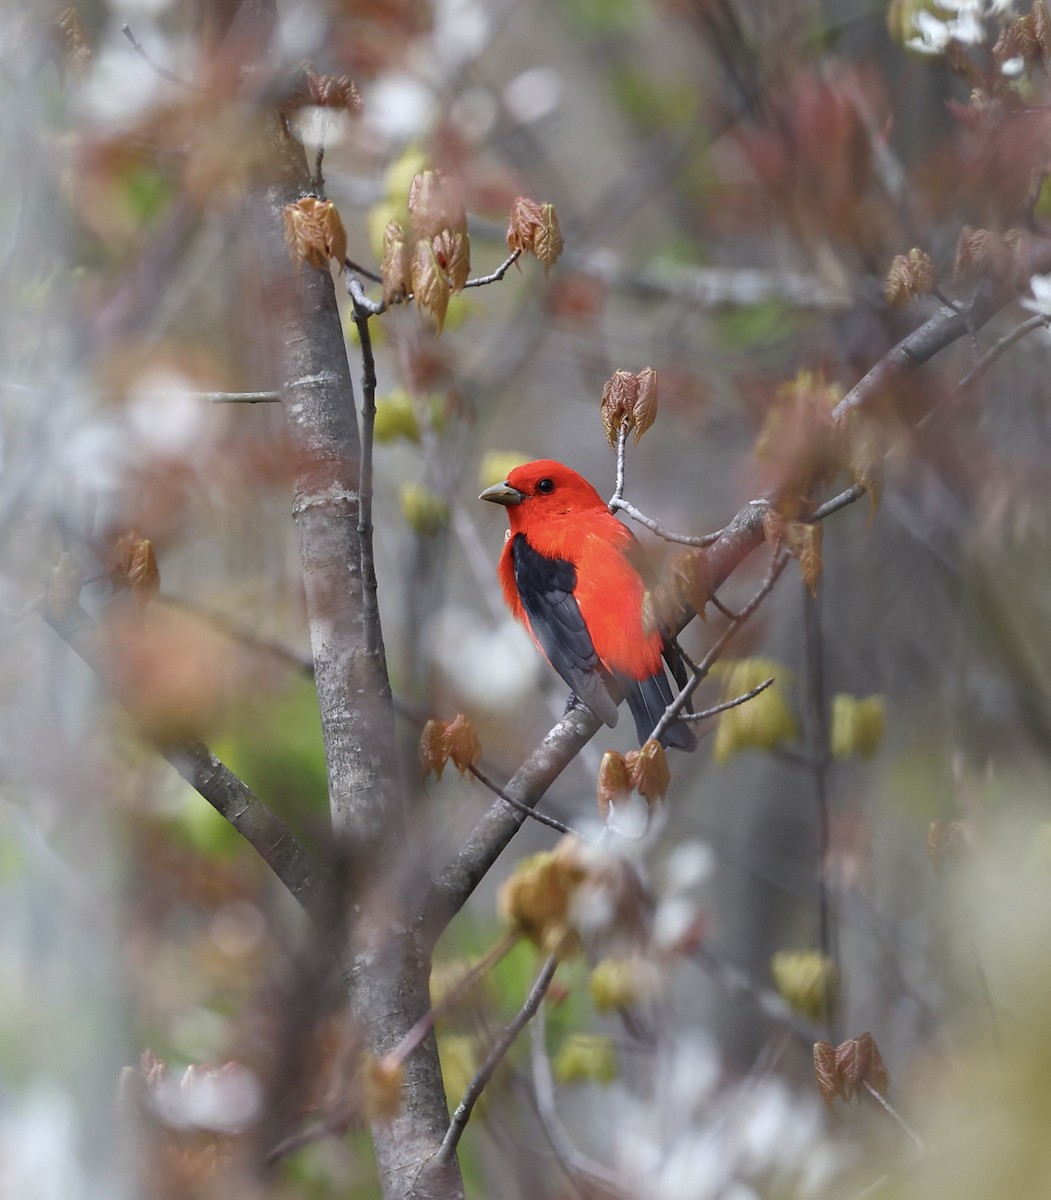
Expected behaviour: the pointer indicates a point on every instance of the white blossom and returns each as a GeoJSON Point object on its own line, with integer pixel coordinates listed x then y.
{"type": "Point", "coordinates": [1041, 301]}
{"type": "Point", "coordinates": [933, 36]}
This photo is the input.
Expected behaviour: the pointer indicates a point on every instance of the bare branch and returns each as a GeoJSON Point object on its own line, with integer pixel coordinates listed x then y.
{"type": "Point", "coordinates": [894, 1115]}
{"type": "Point", "coordinates": [259, 825]}
{"type": "Point", "coordinates": [1040, 321]}
{"type": "Point", "coordinates": [572, 1160]}
{"type": "Point", "coordinates": [852, 493]}
{"type": "Point", "coordinates": [524, 809]}
{"type": "Point", "coordinates": [498, 274]}
{"type": "Point", "coordinates": [239, 397]}
{"type": "Point", "coordinates": [734, 703]}
{"type": "Point", "coordinates": [493, 1059]}
{"type": "Point", "coordinates": [163, 72]}
{"type": "Point", "coordinates": [618, 503]}
{"type": "Point", "coordinates": [370, 587]}
{"type": "Point", "coordinates": [702, 669]}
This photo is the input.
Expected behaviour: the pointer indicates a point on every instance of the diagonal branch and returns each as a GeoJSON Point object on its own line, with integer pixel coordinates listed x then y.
{"type": "Point", "coordinates": [495, 1056]}
{"type": "Point", "coordinates": [260, 826]}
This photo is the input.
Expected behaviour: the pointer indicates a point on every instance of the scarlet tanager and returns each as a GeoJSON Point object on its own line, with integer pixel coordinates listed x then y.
{"type": "Point", "coordinates": [567, 576]}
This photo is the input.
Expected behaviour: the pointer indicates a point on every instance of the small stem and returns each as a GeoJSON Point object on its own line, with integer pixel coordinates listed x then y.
{"type": "Point", "coordinates": [573, 1162]}
{"type": "Point", "coordinates": [998, 348]}
{"type": "Point", "coordinates": [818, 751]}
{"type": "Point", "coordinates": [350, 265]}
{"type": "Point", "coordinates": [507, 798]}
{"type": "Point", "coordinates": [139, 49]}
{"type": "Point", "coordinates": [619, 503]}
{"type": "Point", "coordinates": [424, 1025]}
{"type": "Point", "coordinates": [373, 635]}
{"type": "Point", "coordinates": [896, 1116]}
{"type": "Point", "coordinates": [835, 504]}
{"type": "Point", "coordinates": [738, 700]}
{"type": "Point", "coordinates": [500, 1047]}
{"type": "Point", "coordinates": [700, 672]}
{"type": "Point", "coordinates": [622, 444]}
{"type": "Point", "coordinates": [498, 274]}
{"type": "Point", "coordinates": [239, 397]}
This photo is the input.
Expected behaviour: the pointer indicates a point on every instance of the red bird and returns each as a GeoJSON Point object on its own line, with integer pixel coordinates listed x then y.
{"type": "Point", "coordinates": [567, 576]}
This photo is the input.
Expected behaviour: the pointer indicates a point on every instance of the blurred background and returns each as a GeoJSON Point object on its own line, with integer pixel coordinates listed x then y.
{"type": "Point", "coordinates": [733, 182]}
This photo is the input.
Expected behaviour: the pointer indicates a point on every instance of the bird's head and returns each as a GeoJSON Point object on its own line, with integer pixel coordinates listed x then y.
{"type": "Point", "coordinates": [541, 490]}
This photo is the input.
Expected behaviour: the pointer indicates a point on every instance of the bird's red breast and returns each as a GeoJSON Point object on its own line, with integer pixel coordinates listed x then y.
{"type": "Point", "coordinates": [563, 518]}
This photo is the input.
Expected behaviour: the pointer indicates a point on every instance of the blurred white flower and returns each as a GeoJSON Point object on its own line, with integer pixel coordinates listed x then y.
{"type": "Point", "coordinates": [967, 27]}
{"type": "Point", "coordinates": [38, 1146]}
{"type": "Point", "coordinates": [1040, 285]}
{"type": "Point", "coordinates": [222, 1098]}
{"type": "Point", "coordinates": [688, 865]}
{"type": "Point", "coordinates": [673, 922]}
{"type": "Point", "coordinates": [165, 415]}
{"type": "Point", "coordinates": [399, 107]}
{"type": "Point", "coordinates": [933, 34]}
{"type": "Point", "coordinates": [534, 94]}
{"type": "Point", "coordinates": [697, 1137]}
{"type": "Point", "coordinates": [491, 668]}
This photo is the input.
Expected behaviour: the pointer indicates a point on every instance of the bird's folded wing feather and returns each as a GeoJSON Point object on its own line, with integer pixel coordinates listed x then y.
{"type": "Point", "coordinates": [545, 588]}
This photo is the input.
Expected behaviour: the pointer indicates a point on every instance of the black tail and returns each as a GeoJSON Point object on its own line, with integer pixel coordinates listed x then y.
{"type": "Point", "coordinates": [647, 699]}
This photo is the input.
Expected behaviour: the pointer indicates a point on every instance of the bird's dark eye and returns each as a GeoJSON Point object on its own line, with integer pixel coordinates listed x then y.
{"type": "Point", "coordinates": [545, 485]}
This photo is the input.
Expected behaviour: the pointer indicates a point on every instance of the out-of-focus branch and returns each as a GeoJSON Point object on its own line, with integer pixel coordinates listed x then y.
{"type": "Point", "coordinates": [819, 755]}
{"type": "Point", "coordinates": [370, 587]}
{"type": "Point", "coordinates": [1023, 329]}
{"type": "Point", "coordinates": [259, 825]}
{"type": "Point", "coordinates": [938, 331]}
{"type": "Point", "coordinates": [574, 1163]}
{"type": "Point", "coordinates": [493, 1059]}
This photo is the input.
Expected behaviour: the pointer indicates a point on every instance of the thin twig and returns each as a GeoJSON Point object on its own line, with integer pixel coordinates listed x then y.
{"type": "Point", "coordinates": [370, 588]}
{"type": "Point", "coordinates": [625, 506]}
{"type": "Point", "coordinates": [334, 1125]}
{"type": "Point", "coordinates": [854, 492]}
{"type": "Point", "coordinates": [532, 814]}
{"type": "Point", "coordinates": [239, 397]}
{"type": "Point", "coordinates": [299, 662]}
{"type": "Point", "coordinates": [358, 269]}
{"type": "Point", "coordinates": [819, 754]}
{"type": "Point", "coordinates": [1005, 343]}
{"type": "Point", "coordinates": [893, 1113]}
{"type": "Point", "coordinates": [738, 700]}
{"type": "Point", "coordinates": [434, 1014]}
{"type": "Point", "coordinates": [572, 1160]}
{"type": "Point", "coordinates": [727, 612]}
{"type": "Point", "coordinates": [163, 72]}
{"type": "Point", "coordinates": [493, 1059]}
{"type": "Point", "coordinates": [498, 274]}
{"type": "Point", "coordinates": [305, 877]}
{"type": "Point", "coordinates": [701, 670]}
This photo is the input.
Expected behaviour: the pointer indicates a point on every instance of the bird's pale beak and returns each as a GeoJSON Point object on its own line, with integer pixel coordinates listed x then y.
{"type": "Point", "coordinates": [502, 493]}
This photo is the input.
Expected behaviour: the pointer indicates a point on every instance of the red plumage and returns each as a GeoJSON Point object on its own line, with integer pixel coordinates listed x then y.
{"type": "Point", "coordinates": [567, 575]}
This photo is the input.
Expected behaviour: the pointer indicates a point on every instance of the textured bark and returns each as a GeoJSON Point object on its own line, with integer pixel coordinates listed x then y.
{"type": "Point", "coordinates": [387, 972]}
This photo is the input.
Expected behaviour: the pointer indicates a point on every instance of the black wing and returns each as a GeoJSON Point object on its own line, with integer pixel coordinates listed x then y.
{"type": "Point", "coordinates": [545, 586]}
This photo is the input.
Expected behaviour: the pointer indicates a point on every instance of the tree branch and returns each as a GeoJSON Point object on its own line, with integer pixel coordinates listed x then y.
{"type": "Point", "coordinates": [493, 1059]}
{"type": "Point", "coordinates": [259, 825]}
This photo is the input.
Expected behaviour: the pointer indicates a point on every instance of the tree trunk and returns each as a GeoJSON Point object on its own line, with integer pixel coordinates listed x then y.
{"type": "Point", "coordinates": [386, 967]}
